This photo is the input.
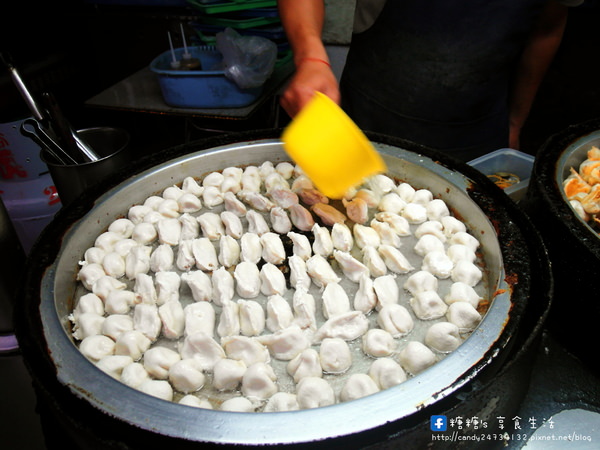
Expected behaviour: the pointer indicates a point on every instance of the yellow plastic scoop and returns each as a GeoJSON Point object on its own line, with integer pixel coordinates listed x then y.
{"type": "Point", "coordinates": [330, 148]}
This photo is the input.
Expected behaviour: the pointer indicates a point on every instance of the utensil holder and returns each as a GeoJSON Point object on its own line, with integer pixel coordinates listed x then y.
{"type": "Point", "coordinates": [72, 180]}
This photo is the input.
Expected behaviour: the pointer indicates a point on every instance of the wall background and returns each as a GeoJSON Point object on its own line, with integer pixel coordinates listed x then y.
{"type": "Point", "coordinates": [338, 21]}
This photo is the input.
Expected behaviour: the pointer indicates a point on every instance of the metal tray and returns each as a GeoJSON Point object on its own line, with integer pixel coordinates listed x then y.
{"type": "Point", "coordinates": [170, 419]}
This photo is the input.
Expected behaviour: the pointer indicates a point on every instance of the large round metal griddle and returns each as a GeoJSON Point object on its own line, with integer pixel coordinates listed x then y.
{"type": "Point", "coordinates": [489, 215]}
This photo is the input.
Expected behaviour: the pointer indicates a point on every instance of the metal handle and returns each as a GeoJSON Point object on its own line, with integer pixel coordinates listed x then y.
{"type": "Point", "coordinates": [44, 140]}
{"type": "Point", "coordinates": [62, 128]}
{"type": "Point", "coordinates": [33, 106]}
{"type": "Point", "coordinates": [84, 147]}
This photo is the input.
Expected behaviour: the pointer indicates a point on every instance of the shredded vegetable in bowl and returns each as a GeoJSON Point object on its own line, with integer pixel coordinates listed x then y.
{"type": "Point", "coordinates": [504, 179]}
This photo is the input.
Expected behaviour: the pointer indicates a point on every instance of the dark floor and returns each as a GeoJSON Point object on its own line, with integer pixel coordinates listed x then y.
{"type": "Point", "coordinates": [20, 427]}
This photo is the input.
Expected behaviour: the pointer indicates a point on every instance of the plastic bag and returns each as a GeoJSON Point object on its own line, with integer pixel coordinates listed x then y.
{"type": "Point", "coordinates": [248, 60]}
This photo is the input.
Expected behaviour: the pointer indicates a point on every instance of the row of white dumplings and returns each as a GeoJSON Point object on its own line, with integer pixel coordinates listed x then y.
{"type": "Point", "coordinates": [164, 370]}
{"type": "Point", "coordinates": [128, 340]}
{"type": "Point", "coordinates": [105, 262]}
{"type": "Point", "coordinates": [154, 313]}
{"type": "Point", "coordinates": [242, 363]}
{"type": "Point", "coordinates": [129, 250]}
{"type": "Point", "coordinates": [125, 256]}
{"type": "Point", "coordinates": [322, 281]}
{"type": "Point", "coordinates": [234, 184]}
{"type": "Point", "coordinates": [248, 282]}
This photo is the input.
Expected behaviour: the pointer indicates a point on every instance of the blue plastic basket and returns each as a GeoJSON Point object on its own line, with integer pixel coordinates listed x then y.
{"type": "Point", "coordinates": [206, 88]}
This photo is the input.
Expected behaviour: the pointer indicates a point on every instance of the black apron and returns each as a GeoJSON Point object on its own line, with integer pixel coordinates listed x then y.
{"type": "Point", "coordinates": [438, 72]}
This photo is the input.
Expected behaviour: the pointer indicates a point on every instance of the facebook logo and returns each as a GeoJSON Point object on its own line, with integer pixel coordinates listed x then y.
{"type": "Point", "coordinates": [439, 423]}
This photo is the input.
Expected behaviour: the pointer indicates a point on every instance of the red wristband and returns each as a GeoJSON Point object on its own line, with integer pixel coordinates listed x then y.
{"type": "Point", "coordinates": [316, 60]}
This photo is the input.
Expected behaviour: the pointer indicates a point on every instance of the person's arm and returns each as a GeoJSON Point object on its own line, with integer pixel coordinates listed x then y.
{"type": "Point", "coordinates": [535, 60]}
{"type": "Point", "coordinates": [303, 23]}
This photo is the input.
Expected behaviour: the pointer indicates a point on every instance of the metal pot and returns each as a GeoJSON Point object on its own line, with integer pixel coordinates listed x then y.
{"type": "Point", "coordinates": [104, 412]}
{"type": "Point", "coordinates": [573, 246]}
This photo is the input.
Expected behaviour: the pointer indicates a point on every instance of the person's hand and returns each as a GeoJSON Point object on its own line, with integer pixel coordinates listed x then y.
{"type": "Point", "coordinates": [514, 136]}
{"type": "Point", "coordinates": [311, 75]}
